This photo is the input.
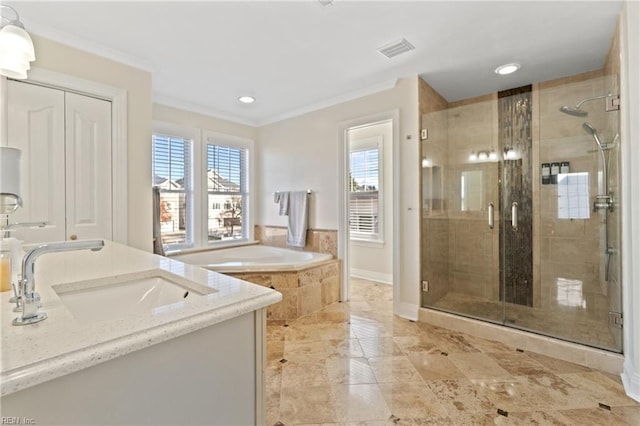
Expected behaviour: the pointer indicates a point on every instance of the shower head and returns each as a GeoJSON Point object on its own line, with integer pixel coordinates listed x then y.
{"type": "Point", "coordinates": [592, 131]}
{"type": "Point", "coordinates": [575, 111]}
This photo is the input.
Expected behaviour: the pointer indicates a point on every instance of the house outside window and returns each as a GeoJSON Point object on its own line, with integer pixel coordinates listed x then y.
{"type": "Point", "coordinates": [226, 192]}
{"type": "Point", "coordinates": [365, 197]}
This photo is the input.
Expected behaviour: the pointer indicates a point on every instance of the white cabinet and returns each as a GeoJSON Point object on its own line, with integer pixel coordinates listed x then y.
{"type": "Point", "coordinates": [213, 376]}
{"type": "Point", "coordinates": [65, 140]}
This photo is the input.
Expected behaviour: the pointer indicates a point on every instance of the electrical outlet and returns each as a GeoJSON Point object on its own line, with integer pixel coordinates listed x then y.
{"type": "Point", "coordinates": [425, 286]}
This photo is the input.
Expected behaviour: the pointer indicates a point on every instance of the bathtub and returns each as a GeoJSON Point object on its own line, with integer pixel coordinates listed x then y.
{"type": "Point", "coordinates": [308, 281]}
{"type": "Point", "coordinates": [254, 258]}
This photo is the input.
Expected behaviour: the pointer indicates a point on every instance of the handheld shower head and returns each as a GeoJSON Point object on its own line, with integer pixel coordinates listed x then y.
{"type": "Point", "coordinates": [592, 131]}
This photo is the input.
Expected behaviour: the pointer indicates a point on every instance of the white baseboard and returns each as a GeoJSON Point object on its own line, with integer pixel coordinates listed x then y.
{"type": "Point", "coordinates": [372, 276]}
{"type": "Point", "coordinates": [408, 311]}
{"type": "Point", "coordinates": [631, 381]}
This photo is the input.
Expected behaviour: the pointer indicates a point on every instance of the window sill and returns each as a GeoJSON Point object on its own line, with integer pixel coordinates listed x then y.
{"type": "Point", "coordinates": [359, 242]}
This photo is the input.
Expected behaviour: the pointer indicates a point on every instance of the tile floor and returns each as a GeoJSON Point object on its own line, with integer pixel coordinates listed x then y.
{"type": "Point", "coordinates": [355, 363]}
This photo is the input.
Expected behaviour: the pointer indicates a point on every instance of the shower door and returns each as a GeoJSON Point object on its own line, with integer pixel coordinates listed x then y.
{"type": "Point", "coordinates": [461, 166]}
{"type": "Point", "coordinates": [509, 230]}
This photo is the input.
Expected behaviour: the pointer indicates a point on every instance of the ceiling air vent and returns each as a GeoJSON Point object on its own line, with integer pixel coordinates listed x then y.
{"type": "Point", "coordinates": [397, 47]}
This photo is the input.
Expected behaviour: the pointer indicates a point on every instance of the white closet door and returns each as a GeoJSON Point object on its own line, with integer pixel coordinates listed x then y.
{"type": "Point", "coordinates": [35, 124]}
{"type": "Point", "coordinates": [88, 167]}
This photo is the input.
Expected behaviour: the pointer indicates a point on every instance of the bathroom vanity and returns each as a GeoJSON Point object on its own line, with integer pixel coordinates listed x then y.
{"type": "Point", "coordinates": [134, 338]}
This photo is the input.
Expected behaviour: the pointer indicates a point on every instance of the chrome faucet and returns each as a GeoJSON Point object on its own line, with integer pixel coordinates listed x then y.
{"type": "Point", "coordinates": [29, 299]}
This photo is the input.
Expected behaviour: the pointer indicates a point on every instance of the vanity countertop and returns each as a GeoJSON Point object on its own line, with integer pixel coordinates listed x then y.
{"type": "Point", "coordinates": [62, 344]}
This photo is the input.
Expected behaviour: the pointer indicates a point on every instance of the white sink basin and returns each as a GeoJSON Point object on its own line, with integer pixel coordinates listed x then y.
{"type": "Point", "coordinates": [149, 292]}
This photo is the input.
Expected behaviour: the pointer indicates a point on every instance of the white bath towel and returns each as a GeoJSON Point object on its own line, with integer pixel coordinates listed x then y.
{"type": "Point", "coordinates": [282, 198]}
{"type": "Point", "coordinates": [298, 218]}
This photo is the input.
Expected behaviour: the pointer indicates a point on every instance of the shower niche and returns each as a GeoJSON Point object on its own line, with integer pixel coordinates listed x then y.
{"type": "Point", "coordinates": [499, 241]}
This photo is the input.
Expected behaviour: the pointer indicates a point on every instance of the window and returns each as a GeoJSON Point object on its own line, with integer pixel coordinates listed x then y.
{"type": "Point", "coordinates": [364, 189]}
{"type": "Point", "coordinates": [226, 192]}
{"type": "Point", "coordinates": [204, 186]}
{"type": "Point", "coordinates": [172, 174]}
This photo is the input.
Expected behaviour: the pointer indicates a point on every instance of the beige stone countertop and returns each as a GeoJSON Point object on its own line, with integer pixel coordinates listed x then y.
{"type": "Point", "coordinates": [62, 344]}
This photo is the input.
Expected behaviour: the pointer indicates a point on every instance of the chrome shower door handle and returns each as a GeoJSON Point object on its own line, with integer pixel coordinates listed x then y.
{"type": "Point", "coordinates": [490, 209]}
{"type": "Point", "coordinates": [514, 216]}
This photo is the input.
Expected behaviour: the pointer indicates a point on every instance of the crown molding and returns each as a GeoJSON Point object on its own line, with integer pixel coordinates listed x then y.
{"type": "Point", "coordinates": [56, 35]}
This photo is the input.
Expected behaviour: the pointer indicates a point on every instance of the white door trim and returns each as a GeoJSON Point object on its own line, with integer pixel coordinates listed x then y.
{"type": "Point", "coordinates": [118, 98]}
{"type": "Point", "coordinates": [343, 199]}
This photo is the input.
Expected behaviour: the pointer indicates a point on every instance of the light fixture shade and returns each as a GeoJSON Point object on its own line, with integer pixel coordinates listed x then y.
{"type": "Point", "coordinates": [16, 52]}
{"type": "Point", "coordinates": [17, 39]}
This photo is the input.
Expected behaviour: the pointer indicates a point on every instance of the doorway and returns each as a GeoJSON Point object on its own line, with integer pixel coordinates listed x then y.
{"type": "Point", "coordinates": [368, 229]}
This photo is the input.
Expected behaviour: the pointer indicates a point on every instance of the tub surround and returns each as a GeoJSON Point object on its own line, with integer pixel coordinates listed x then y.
{"type": "Point", "coordinates": [308, 281]}
{"type": "Point", "coordinates": [303, 292]}
{"type": "Point", "coordinates": [62, 344]}
{"type": "Point", "coordinates": [318, 240]}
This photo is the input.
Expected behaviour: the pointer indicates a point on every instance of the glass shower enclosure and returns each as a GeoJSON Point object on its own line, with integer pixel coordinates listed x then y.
{"type": "Point", "coordinates": [520, 218]}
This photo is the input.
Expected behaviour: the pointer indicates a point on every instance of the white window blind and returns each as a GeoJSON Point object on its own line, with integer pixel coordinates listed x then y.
{"type": "Point", "coordinates": [171, 166]}
{"type": "Point", "coordinates": [364, 187]}
{"type": "Point", "coordinates": [227, 192]}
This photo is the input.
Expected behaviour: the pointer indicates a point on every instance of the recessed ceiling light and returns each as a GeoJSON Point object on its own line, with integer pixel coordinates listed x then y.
{"type": "Point", "coordinates": [507, 68]}
{"type": "Point", "coordinates": [247, 99]}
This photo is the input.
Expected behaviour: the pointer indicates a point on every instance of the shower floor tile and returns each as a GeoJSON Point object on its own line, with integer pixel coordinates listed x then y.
{"type": "Point", "coordinates": [353, 364]}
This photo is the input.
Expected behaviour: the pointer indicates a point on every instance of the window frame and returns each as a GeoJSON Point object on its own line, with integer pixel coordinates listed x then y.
{"type": "Point", "coordinates": [360, 144]}
{"type": "Point", "coordinates": [192, 137]}
{"type": "Point", "coordinates": [198, 221]}
{"type": "Point", "coordinates": [215, 138]}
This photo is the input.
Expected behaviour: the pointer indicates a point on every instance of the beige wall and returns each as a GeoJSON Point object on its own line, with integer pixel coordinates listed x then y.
{"type": "Point", "coordinates": [78, 63]}
{"type": "Point", "coordinates": [302, 153]}
{"type": "Point", "coordinates": [195, 120]}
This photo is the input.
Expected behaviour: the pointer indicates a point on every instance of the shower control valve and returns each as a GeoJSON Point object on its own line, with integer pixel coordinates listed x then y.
{"type": "Point", "coordinates": [603, 202]}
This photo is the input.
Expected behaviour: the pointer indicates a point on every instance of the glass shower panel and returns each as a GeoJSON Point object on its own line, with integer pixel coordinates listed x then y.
{"type": "Point", "coordinates": [574, 226]}
{"type": "Point", "coordinates": [459, 184]}
{"type": "Point", "coordinates": [520, 217]}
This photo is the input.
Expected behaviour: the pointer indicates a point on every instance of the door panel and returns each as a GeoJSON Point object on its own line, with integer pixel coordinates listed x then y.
{"type": "Point", "coordinates": [88, 154]}
{"type": "Point", "coordinates": [65, 140]}
{"type": "Point", "coordinates": [36, 126]}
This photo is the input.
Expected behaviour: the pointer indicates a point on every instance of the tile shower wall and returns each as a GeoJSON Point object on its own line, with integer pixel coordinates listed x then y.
{"type": "Point", "coordinates": [570, 260]}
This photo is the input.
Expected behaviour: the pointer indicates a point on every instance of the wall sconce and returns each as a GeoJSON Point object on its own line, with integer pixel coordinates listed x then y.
{"type": "Point", "coordinates": [16, 47]}
{"type": "Point", "coordinates": [483, 155]}
{"type": "Point", "coordinates": [425, 162]}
